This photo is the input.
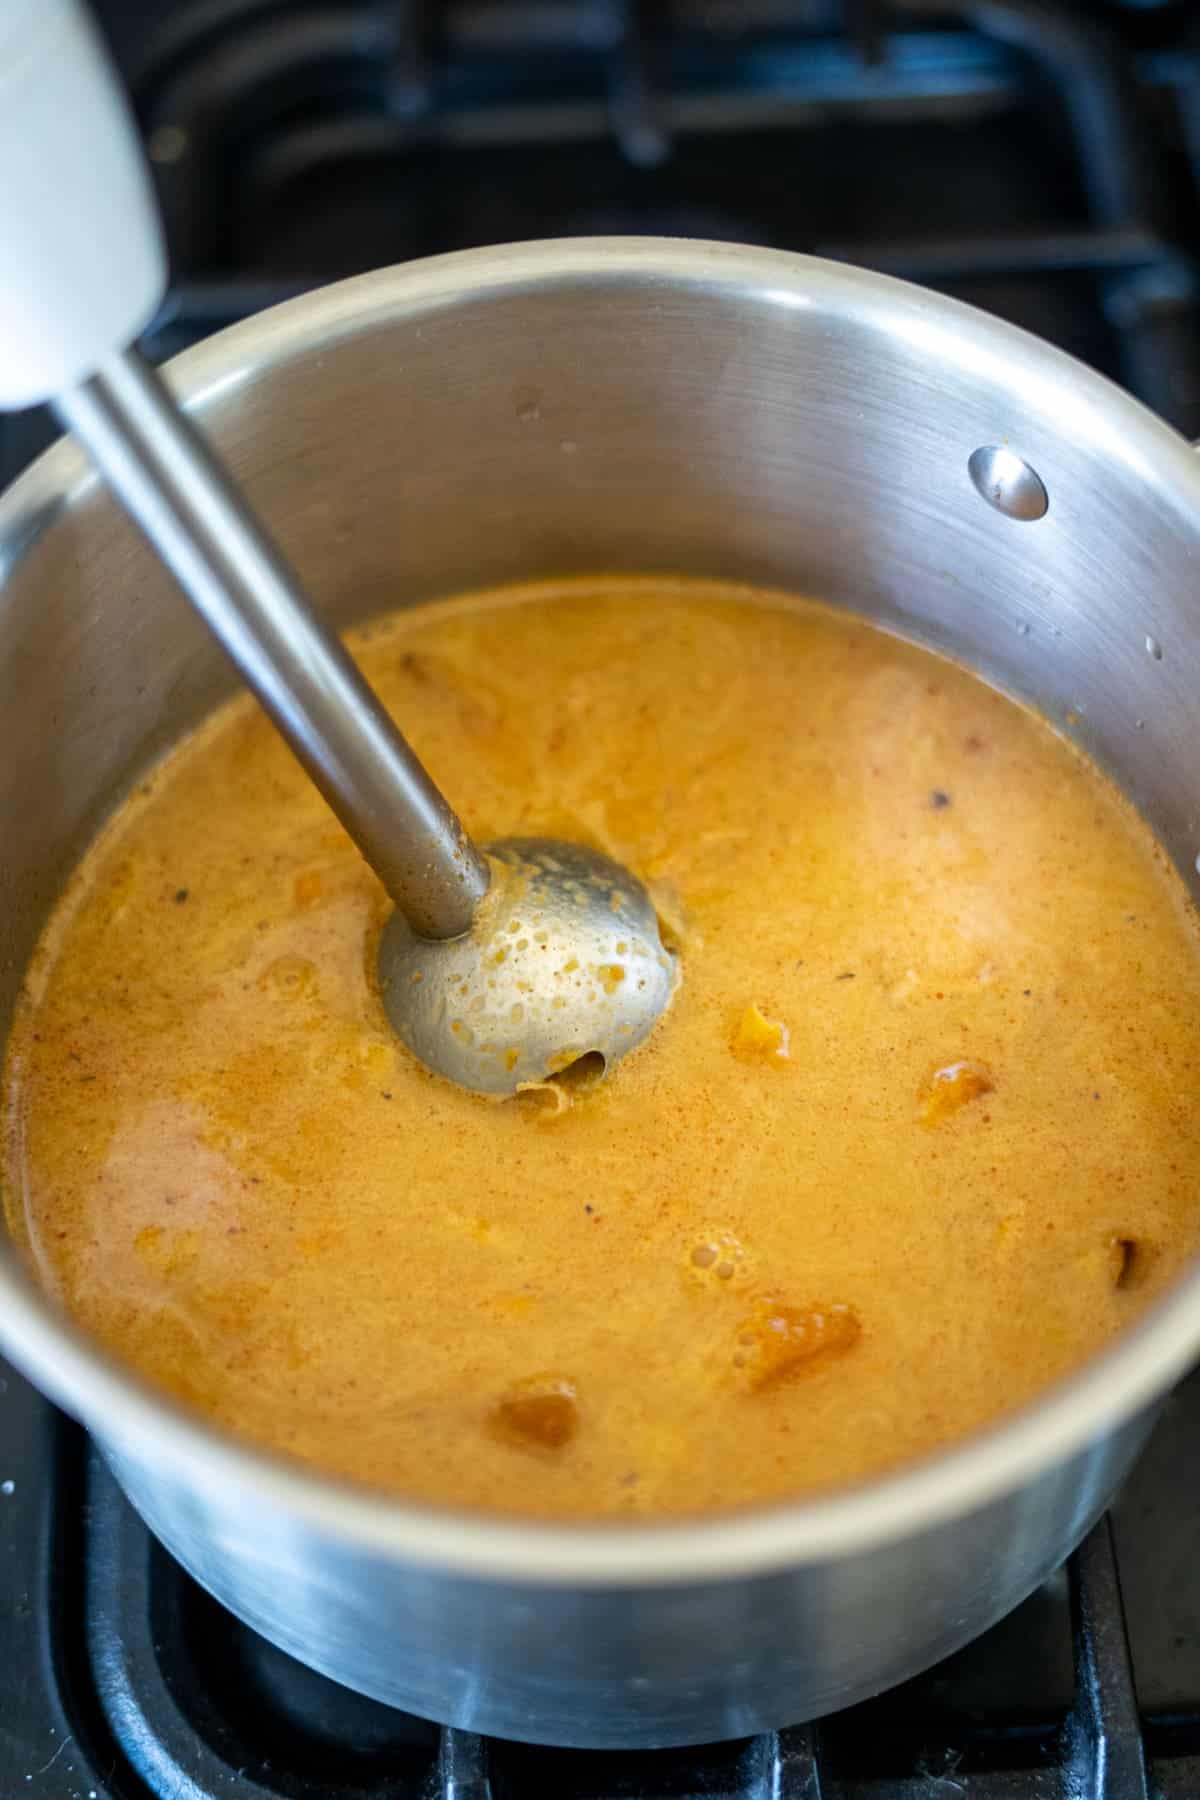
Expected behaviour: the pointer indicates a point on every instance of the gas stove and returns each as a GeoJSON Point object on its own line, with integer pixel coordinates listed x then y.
{"type": "Point", "coordinates": [1038, 158]}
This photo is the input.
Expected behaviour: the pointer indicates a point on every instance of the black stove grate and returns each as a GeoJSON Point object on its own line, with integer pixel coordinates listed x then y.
{"type": "Point", "coordinates": [1040, 158]}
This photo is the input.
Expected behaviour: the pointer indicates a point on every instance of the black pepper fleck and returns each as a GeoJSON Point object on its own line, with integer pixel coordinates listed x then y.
{"type": "Point", "coordinates": [938, 799]}
{"type": "Point", "coordinates": [181, 895]}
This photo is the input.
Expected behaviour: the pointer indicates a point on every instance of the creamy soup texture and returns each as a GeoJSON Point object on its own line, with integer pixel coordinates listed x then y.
{"type": "Point", "coordinates": [914, 1139]}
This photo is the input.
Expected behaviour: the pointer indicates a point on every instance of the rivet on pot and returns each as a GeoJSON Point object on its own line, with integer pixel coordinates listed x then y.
{"type": "Point", "coordinates": [1007, 482]}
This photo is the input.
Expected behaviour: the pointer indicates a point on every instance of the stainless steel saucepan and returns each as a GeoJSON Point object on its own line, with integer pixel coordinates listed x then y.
{"type": "Point", "coordinates": [623, 405]}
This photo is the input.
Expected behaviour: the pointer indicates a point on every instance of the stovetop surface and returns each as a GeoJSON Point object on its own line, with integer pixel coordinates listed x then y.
{"type": "Point", "coordinates": [1039, 158]}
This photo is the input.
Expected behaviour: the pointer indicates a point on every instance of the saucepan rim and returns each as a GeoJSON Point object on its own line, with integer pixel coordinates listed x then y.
{"type": "Point", "coordinates": [142, 1423]}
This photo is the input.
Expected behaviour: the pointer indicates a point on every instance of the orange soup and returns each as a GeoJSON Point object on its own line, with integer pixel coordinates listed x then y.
{"type": "Point", "coordinates": [914, 1139]}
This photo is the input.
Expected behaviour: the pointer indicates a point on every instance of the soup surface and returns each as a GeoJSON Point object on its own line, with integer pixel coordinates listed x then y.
{"type": "Point", "coordinates": [915, 1137]}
